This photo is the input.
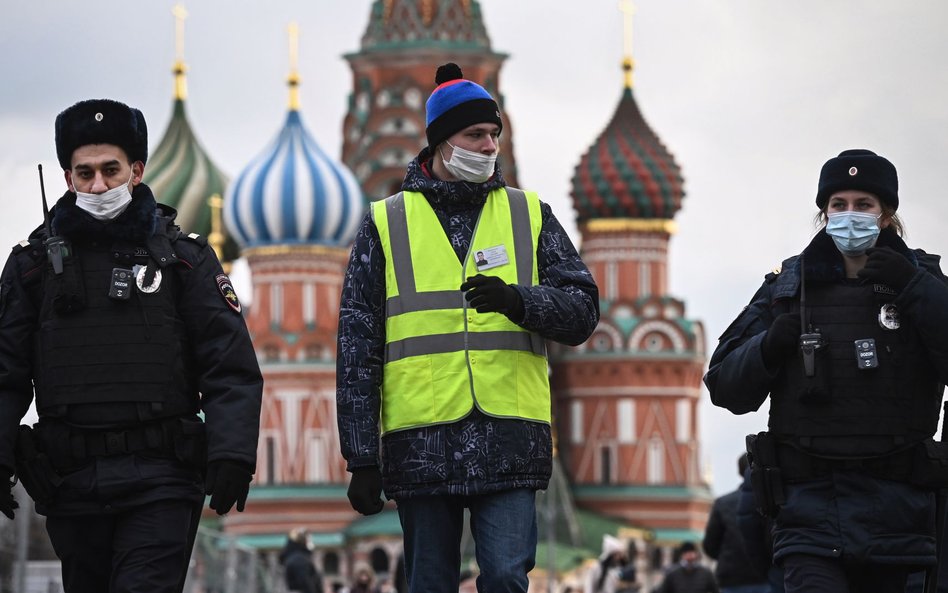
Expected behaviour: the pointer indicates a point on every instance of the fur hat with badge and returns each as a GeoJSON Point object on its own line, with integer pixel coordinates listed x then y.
{"type": "Point", "coordinates": [859, 169]}
{"type": "Point", "coordinates": [456, 104]}
{"type": "Point", "coordinates": [101, 121]}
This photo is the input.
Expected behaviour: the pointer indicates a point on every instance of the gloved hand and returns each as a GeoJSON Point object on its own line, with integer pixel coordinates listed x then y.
{"type": "Point", "coordinates": [7, 502]}
{"type": "Point", "coordinates": [887, 266]}
{"type": "Point", "coordinates": [365, 490]}
{"type": "Point", "coordinates": [227, 482]}
{"type": "Point", "coordinates": [490, 294]}
{"type": "Point", "coordinates": [781, 340]}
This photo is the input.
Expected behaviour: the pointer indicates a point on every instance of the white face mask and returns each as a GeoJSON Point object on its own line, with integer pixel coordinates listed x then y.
{"type": "Point", "coordinates": [108, 204]}
{"type": "Point", "coordinates": [469, 166]}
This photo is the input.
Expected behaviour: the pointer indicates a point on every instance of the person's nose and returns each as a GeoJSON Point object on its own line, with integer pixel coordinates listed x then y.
{"type": "Point", "coordinates": [98, 184]}
{"type": "Point", "coordinates": [490, 145]}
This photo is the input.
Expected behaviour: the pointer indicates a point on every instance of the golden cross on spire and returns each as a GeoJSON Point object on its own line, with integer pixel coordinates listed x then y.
{"type": "Point", "coordinates": [628, 10]}
{"type": "Point", "coordinates": [180, 84]}
{"type": "Point", "coordinates": [294, 78]}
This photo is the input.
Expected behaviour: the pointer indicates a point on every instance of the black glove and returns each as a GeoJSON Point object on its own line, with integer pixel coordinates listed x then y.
{"type": "Point", "coordinates": [365, 490]}
{"type": "Point", "coordinates": [887, 266]}
{"type": "Point", "coordinates": [490, 294]}
{"type": "Point", "coordinates": [227, 482]}
{"type": "Point", "coordinates": [7, 502]}
{"type": "Point", "coordinates": [781, 340]}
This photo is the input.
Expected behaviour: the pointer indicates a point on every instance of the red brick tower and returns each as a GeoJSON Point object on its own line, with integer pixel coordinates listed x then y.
{"type": "Point", "coordinates": [626, 400]}
{"type": "Point", "coordinates": [393, 75]}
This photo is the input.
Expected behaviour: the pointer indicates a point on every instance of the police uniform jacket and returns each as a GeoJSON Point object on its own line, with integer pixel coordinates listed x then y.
{"type": "Point", "coordinates": [847, 512]}
{"type": "Point", "coordinates": [210, 363]}
{"type": "Point", "coordinates": [477, 454]}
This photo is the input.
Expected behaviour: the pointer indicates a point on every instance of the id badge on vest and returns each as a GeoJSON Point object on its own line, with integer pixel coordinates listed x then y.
{"type": "Point", "coordinates": [491, 257]}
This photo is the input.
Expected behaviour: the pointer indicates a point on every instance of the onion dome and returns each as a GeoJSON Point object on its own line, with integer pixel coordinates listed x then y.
{"type": "Point", "coordinates": [183, 176]}
{"type": "Point", "coordinates": [404, 24]}
{"type": "Point", "coordinates": [293, 193]}
{"type": "Point", "coordinates": [627, 172]}
{"type": "Point", "coordinates": [180, 172]}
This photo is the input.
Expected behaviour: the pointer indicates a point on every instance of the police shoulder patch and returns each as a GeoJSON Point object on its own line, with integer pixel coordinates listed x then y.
{"type": "Point", "coordinates": [227, 291]}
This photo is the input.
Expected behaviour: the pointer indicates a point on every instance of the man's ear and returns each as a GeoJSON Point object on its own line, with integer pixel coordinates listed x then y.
{"type": "Point", "coordinates": [68, 175]}
{"type": "Point", "coordinates": [138, 171]}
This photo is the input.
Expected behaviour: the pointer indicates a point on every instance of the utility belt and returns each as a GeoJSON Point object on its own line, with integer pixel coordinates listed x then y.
{"type": "Point", "coordinates": [52, 448]}
{"type": "Point", "coordinates": [774, 464]}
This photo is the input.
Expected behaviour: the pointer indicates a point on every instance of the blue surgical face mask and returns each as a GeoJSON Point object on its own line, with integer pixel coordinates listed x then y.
{"type": "Point", "coordinates": [853, 232]}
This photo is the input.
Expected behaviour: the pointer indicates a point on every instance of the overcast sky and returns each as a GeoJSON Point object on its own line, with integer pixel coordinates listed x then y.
{"type": "Point", "coordinates": [751, 97]}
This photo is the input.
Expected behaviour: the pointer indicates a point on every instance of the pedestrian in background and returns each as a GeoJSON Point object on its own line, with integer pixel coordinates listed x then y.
{"type": "Point", "coordinates": [723, 541]}
{"type": "Point", "coordinates": [299, 570]}
{"type": "Point", "coordinates": [688, 576]}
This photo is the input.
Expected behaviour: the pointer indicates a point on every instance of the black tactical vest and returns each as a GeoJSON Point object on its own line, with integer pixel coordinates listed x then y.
{"type": "Point", "coordinates": [118, 360]}
{"type": "Point", "coordinates": [861, 410]}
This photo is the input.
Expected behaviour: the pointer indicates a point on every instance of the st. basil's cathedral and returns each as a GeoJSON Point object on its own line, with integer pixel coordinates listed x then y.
{"type": "Point", "coordinates": [625, 402]}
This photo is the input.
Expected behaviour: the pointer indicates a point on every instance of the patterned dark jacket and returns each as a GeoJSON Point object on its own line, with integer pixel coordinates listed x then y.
{"type": "Point", "coordinates": [477, 454]}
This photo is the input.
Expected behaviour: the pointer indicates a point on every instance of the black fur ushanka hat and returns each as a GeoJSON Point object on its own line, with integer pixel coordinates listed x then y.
{"type": "Point", "coordinates": [101, 121]}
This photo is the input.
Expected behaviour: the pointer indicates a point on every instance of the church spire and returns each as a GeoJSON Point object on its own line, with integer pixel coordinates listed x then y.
{"type": "Point", "coordinates": [293, 80]}
{"type": "Point", "coordinates": [180, 82]}
{"type": "Point", "coordinates": [628, 9]}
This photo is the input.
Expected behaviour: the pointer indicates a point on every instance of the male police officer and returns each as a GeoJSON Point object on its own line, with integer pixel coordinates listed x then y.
{"type": "Point", "coordinates": [449, 356]}
{"type": "Point", "coordinates": [126, 329]}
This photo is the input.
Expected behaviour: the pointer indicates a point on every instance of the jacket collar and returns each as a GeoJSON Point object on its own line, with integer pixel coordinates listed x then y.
{"type": "Point", "coordinates": [824, 263]}
{"type": "Point", "coordinates": [136, 224]}
{"type": "Point", "coordinates": [419, 178]}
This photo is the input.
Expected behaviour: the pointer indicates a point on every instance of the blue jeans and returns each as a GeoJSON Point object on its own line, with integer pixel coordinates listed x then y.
{"type": "Point", "coordinates": [504, 527]}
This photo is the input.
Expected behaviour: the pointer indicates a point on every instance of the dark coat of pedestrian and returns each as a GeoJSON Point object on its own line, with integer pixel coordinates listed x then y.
{"type": "Point", "coordinates": [688, 576]}
{"type": "Point", "coordinates": [299, 570]}
{"type": "Point", "coordinates": [735, 571]}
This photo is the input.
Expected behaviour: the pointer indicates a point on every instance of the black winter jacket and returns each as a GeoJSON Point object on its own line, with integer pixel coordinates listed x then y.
{"type": "Point", "coordinates": [688, 579]}
{"type": "Point", "coordinates": [724, 542]}
{"type": "Point", "coordinates": [846, 514]}
{"type": "Point", "coordinates": [299, 571]}
{"type": "Point", "coordinates": [477, 454]}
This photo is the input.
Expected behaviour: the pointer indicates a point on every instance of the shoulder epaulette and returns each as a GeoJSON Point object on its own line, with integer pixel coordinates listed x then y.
{"type": "Point", "coordinates": [27, 244]}
{"type": "Point", "coordinates": [192, 237]}
{"type": "Point", "coordinates": [772, 275]}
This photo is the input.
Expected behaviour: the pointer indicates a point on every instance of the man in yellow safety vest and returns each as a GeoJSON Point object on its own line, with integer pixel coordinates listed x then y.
{"type": "Point", "coordinates": [443, 399]}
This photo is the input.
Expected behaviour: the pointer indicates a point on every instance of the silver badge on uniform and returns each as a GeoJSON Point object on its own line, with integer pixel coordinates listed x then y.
{"type": "Point", "coordinates": [140, 280]}
{"type": "Point", "coordinates": [889, 316]}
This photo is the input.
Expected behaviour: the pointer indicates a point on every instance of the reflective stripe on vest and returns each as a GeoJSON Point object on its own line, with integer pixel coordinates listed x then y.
{"type": "Point", "coordinates": [442, 358]}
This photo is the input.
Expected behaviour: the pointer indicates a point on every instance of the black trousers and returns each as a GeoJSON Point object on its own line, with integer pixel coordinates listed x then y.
{"type": "Point", "coordinates": [143, 550]}
{"type": "Point", "coordinates": [804, 573]}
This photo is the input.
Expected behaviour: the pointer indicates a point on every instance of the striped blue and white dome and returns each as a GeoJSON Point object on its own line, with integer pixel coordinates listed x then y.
{"type": "Point", "coordinates": [294, 194]}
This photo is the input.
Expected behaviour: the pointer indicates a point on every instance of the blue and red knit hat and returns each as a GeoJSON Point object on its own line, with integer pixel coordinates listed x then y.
{"type": "Point", "coordinates": [456, 104]}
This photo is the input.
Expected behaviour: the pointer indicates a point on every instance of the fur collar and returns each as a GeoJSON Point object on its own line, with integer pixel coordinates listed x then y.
{"type": "Point", "coordinates": [824, 262]}
{"type": "Point", "coordinates": [136, 224]}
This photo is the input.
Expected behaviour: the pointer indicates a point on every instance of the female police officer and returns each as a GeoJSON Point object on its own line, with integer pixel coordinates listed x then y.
{"type": "Point", "coordinates": [850, 340]}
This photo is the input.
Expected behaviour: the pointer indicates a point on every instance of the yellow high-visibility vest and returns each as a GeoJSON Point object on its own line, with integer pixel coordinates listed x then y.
{"type": "Point", "coordinates": [442, 358]}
